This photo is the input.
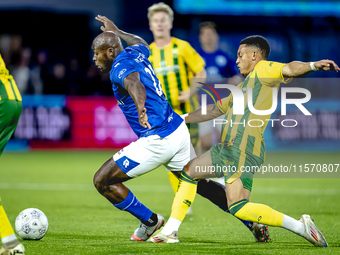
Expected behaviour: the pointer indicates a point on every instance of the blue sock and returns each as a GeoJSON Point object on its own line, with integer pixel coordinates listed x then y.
{"type": "Point", "coordinates": [246, 223]}
{"type": "Point", "coordinates": [135, 207]}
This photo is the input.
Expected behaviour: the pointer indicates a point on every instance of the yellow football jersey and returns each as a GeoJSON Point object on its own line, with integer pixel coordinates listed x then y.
{"type": "Point", "coordinates": [8, 87]}
{"type": "Point", "coordinates": [174, 66]}
{"type": "Point", "coordinates": [247, 133]}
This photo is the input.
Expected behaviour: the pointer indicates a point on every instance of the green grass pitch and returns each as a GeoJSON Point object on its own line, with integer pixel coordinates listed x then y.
{"type": "Point", "coordinates": [82, 222]}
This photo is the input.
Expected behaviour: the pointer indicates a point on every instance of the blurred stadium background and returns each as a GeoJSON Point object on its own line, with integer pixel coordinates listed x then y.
{"type": "Point", "coordinates": [68, 105]}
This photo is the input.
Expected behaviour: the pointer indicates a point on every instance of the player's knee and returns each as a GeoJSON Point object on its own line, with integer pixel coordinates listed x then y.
{"type": "Point", "coordinates": [187, 171]}
{"type": "Point", "coordinates": [98, 182]}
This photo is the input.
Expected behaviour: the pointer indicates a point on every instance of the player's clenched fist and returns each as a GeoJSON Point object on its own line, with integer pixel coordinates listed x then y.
{"type": "Point", "coordinates": [326, 65]}
{"type": "Point", "coordinates": [143, 119]}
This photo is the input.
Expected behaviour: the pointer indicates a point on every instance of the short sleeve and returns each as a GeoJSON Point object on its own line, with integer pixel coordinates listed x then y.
{"type": "Point", "coordinates": [226, 102]}
{"type": "Point", "coordinates": [192, 58]}
{"type": "Point", "coordinates": [120, 70]}
{"type": "Point", "coordinates": [270, 73]}
{"type": "Point", "coordinates": [141, 48]}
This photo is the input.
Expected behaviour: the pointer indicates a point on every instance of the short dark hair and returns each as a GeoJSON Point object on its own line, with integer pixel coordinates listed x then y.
{"type": "Point", "coordinates": [208, 24]}
{"type": "Point", "coordinates": [259, 42]}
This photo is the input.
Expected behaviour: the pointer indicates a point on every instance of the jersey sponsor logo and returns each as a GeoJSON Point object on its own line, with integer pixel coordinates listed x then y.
{"type": "Point", "coordinates": [126, 163]}
{"type": "Point", "coordinates": [213, 72]}
{"type": "Point", "coordinates": [121, 73]}
{"type": "Point", "coordinates": [116, 65]}
{"type": "Point", "coordinates": [120, 102]}
{"type": "Point", "coordinates": [164, 70]}
{"type": "Point", "coordinates": [140, 58]}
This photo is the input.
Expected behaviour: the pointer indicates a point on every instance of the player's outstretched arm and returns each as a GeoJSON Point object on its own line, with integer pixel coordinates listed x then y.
{"type": "Point", "coordinates": [130, 39]}
{"type": "Point", "coordinates": [136, 90]}
{"type": "Point", "coordinates": [196, 117]}
{"type": "Point", "coordinates": [297, 68]}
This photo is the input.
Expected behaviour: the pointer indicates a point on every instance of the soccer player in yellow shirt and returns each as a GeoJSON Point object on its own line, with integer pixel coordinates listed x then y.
{"type": "Point", "coordinates": [10, 110]}
{"type": "Point", "coordinates": [175, 62]}
{"type": "Point", "coordinates": [242, 146]}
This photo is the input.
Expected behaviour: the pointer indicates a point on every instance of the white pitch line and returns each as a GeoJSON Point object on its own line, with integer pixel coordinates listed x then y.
{"type": "Point", "coordinates": [160, 188]}
{"type": "Point", "coordinates": [77, 187]}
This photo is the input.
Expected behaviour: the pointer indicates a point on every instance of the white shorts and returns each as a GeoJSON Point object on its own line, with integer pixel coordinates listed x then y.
{"type": "Point", "coordinates": [148, 153]}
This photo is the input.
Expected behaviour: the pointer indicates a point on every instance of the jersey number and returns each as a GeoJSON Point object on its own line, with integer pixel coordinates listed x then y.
{"type": "Point", "coordinates": [158, 86]}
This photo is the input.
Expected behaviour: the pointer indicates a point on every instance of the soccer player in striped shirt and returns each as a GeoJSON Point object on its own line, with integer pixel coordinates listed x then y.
{"type": "Point", "coordinates": [10, 110]}
{"type": "Point", "coordinates": [242, 146]}
{"type": "Point", "coordinates": [175, 62]}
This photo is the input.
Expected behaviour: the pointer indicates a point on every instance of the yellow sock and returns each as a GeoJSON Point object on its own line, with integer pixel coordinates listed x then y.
{"type": "Point", "coordinates": [173, 181]}
{"type": "Point", "coordinates": [260, 213]}
{"type": "Point", "coordinates": [5, 227]}
{"type": "Point", "coordinates": [184, 197]}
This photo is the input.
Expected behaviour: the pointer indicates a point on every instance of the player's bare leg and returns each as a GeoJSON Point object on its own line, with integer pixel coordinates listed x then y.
{"type": "Point", "coordinates": [108, 180]}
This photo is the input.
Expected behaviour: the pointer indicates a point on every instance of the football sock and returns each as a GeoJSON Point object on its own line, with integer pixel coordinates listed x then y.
{"type": "Point", "coordinates": [215, 192]}
{"type": "Point", "coordinates": [132, 205]}
{"type": "Point", "coordinates": [172, 225]}
{"type": "Point", "coordinates": [8, 238]}
{"type": "Point", "coordinates": [152, 221]}
{"type": "Point", "coordinates": [184, 197]}
{"type": "Point", "coordinates": [293, 225]}
{"type": "Point", "coordinates": [260, 213]}
{"type": "Point", "coordinates": [173, 181]}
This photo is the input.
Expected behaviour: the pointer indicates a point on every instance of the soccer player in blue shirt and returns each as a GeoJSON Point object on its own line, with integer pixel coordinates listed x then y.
{"type": "Point", "coordinates": [163, 138]}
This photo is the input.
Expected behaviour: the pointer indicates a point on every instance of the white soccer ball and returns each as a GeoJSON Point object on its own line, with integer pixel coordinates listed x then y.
{"type": "Point", "coordinates": [31, 224]}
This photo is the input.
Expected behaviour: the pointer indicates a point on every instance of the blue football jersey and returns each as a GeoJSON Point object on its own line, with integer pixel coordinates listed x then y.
{"type": "Point", "coordinates": [218, 64]}
{"type": "Point", "coordinates": [162, 118]}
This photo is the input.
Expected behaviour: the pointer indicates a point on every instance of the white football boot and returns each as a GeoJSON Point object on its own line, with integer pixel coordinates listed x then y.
{"type": "Point", "coordinates": [160, 238]}
{"type": "Point", "coordinates": [312, 234]}
{"type": "Point", "coordinates": [17, 250]}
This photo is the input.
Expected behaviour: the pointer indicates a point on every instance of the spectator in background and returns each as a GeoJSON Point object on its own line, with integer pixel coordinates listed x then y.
{"type": "Point", "coordinates": [20, 70]}
{"type": "Point", "coordinates": [73, 77]}
{"type": "Point", "coordinates": [56, 82]}
{"type": "Point", "coordinates": [39, 73]}
{"type": "Point", "coordinates": [218, 65]}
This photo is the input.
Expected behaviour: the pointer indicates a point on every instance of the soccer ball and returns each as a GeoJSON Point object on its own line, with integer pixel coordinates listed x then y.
{"type": "Point", "coordinates": [31, 224]}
